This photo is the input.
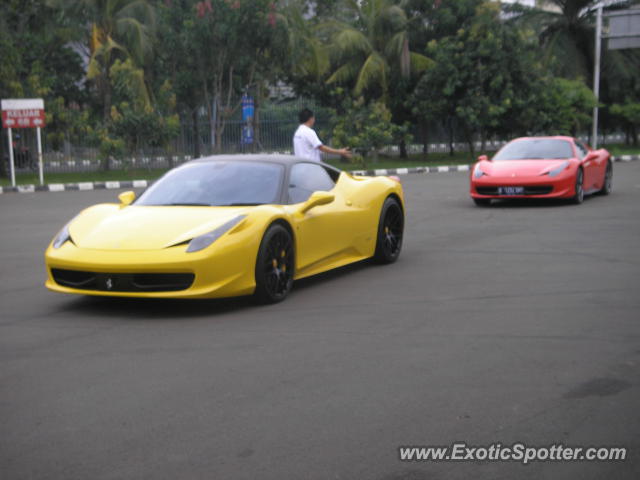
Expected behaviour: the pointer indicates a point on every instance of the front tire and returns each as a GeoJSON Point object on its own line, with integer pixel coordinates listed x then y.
{"type": "Point", "coordinates": [482, 202]}
{"type": "Point", "coordinates": [274, 266]}
{"type": "Point", "coordinates": [390, 232]}
{"type": "Point", "coordinates": [607, 184]}
{"type": "Point", "coordinates": [578, 197]}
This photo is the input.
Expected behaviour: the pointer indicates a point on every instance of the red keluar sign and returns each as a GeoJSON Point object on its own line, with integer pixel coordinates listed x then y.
{"type": "Point", "coordinates": [23, 113]}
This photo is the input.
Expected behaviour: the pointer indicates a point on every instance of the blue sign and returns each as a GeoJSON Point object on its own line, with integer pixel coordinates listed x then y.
{"type": "Point", "coordinates": [248, 108]}
{"type": "Point", "coordinates": [247, 135]}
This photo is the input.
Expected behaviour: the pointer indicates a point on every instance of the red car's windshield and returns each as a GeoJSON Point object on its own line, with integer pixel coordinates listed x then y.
{"type": "Point", "coordinates": [535, 149]}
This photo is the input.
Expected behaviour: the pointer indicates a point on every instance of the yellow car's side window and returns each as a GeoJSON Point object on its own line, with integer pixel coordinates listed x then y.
{"type": "Point", "coordinates": [306, 178]}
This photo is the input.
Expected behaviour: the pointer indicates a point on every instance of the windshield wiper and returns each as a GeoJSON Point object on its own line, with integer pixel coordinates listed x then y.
{"type": "Point", "coordinates": [187, 204]}
{"type": "Point", "coordinates": [240, 204]}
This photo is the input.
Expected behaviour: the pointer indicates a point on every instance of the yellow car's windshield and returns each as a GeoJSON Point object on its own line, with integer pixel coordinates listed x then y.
{"type": "Point", "coordinates": [217, 183]}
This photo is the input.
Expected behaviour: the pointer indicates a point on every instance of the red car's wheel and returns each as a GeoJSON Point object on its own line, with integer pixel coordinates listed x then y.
{"type": "Point", "coordinates": [607, 184]}
{"type": "Point", "coordinates": [482, 202]}
{"type": "Point", "coordinates": [578, 198]}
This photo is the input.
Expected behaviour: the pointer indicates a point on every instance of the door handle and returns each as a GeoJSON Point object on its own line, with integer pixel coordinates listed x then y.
{"type": "Point", "coordinates": [348, 202]}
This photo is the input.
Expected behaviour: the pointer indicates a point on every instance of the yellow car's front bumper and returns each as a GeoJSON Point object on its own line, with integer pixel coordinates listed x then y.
{"type": "Point", "coordinates": [224, 270]}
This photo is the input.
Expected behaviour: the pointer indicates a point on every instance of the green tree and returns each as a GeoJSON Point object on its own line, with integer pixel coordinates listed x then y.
{"type": "Point", "coordinates": [134, 119]}
{"type": "Point", "coordinates": [38, 62]}
{"type": "Point", "coordinates": [222, 48]}
{"type": "Point", "coordinates": [628, 114]}
{"type": "Point", "coordinates": [369, 45]}
{"type": "Point", "coordinates": [116, 30]}
{"type": "Point", "coordinates": [563, 107]}
{"type": "Point", "coordinates": [366, 128]}
{"type": "Point", "coordinates": [483, 80]}
{"type": "Point", "coordinates": [567, 35]}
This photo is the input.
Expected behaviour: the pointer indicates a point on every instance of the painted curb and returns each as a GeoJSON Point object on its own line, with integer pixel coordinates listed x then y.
{"type": "Point", "coordinates": [116, 185]}
{"type": "Point", "coordinates": [66, 187]}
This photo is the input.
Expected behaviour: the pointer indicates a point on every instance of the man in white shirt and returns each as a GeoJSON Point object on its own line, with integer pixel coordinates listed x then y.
{"type": "Point", "coordinates": [306, 143]}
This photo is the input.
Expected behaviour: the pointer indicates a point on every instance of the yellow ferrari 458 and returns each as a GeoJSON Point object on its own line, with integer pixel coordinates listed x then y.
{"type": "Point", "coordinates": [226, 226]}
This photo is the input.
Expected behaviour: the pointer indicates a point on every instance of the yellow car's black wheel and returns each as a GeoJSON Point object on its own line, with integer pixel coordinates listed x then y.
{"type": "Point", "coordinates": [390, 231]}
{"type": "Point", "coordinates": [275, 265]}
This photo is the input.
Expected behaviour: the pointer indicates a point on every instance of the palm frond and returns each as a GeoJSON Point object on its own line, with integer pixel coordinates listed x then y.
{"type": "Point", "coordinates": [395, 46]}
{"type": "Point", "coordinates": [351, 41]}
{"type": "Point", "coordinates": [420, 63]}
{"type": "Point", "coordinates": [345, 73]}
{"type": "Point", "coordinates": [373, 71]}
{"type": "Point", "coordinates": [137, 36]}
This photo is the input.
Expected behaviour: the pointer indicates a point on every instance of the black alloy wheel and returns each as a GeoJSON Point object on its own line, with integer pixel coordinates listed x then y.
{"type": "Point", "coordinates": [275, 265]}
{"type": "Point", "coordinates": [390, 231]}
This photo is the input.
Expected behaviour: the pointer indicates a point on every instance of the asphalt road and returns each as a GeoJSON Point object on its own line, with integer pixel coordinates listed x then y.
{"type": "Point", "coordinates": [518, 322]}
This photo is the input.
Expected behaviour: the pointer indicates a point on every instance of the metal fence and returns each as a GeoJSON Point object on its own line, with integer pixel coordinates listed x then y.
{"type": "Point", "coordinates": [273, 133]}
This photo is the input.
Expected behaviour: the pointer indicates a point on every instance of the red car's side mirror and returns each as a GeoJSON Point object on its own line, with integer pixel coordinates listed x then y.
{"type": "Point", "coordinates": [483, 158]}
{"type": "Point", "coordinates": [592, 155]}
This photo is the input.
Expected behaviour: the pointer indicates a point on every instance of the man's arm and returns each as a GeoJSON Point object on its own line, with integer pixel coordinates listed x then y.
{"type": "Point", "coordinates": [343, 152]}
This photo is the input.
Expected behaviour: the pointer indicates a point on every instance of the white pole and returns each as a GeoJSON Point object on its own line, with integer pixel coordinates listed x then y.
{"type": "Point", "coordinates": [40, 166]}
{"type": "Point", "coordinates": [596, 77]}
{"type": "Point", "coordinates": [13, 171]}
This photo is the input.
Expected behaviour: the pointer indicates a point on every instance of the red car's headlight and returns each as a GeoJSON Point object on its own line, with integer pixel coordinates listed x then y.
{"type": "Point", "coordinates": [556, 171]}
{"type": "Point", "coordinates": [478, 173]}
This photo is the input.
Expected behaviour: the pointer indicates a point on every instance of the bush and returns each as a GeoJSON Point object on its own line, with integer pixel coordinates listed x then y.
{"type": "Point", "coordinates": [367, 129]}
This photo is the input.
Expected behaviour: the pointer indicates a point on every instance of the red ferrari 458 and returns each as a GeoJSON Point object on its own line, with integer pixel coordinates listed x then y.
{"type": "Point", "coordinates": [542, 167]}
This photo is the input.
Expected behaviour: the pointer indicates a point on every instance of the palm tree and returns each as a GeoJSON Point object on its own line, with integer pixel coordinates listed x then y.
{"type": "Point", "coordinates": [370, 46]}
{"type": "Point", "coordinates": [566, 32]}
{"type": "Point", "coordinates": [567, 36]}
{"type": "Point", "coordinates": [309, 59]}
{"type": "Point", "coordinates": [118, 29]}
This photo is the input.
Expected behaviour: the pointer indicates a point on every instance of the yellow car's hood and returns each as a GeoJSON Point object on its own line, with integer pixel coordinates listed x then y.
{"type": "Point", "coordinates": [109, 227]}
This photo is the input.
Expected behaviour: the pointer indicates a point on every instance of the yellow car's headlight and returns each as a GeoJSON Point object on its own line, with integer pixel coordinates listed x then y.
{"type": "Point", "coordinates": [203, 241]}
{"type": "Point", "coordinates": [62, 237]}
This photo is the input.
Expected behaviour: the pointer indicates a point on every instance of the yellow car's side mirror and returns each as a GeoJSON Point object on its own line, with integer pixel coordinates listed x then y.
{"type": "Point", "coordinates": [316, 198]}
{"type": "Point", "coordinates": [126, 198]}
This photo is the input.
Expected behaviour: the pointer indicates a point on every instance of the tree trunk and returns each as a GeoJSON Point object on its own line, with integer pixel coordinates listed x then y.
{"type": "Point", "coordinates": [106, 112]}
{"type": "Point", "coordinates": [196, 133]}
{"type": "Point", "coordinates": [451, 147]}
{"type": "Point", "coordinates": [219, 130]}
{"type": "Point", "coordinates": [256, 120]}
{"type": "Point", "coordinates": [424, 133]}
{"type": "Point", "coordinates": [469, 136]}
{"type": "Point", "coordinates": [403, 148]}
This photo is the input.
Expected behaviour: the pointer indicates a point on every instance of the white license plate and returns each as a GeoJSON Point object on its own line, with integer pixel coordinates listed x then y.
{"type": "Point", "coordinates": [510, 190]}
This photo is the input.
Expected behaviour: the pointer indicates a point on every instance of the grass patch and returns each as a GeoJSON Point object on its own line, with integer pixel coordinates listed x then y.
{"type": "Point", "coordinates": [617, 150]}
{"type": "Point", "coordinates": [75, 177]}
